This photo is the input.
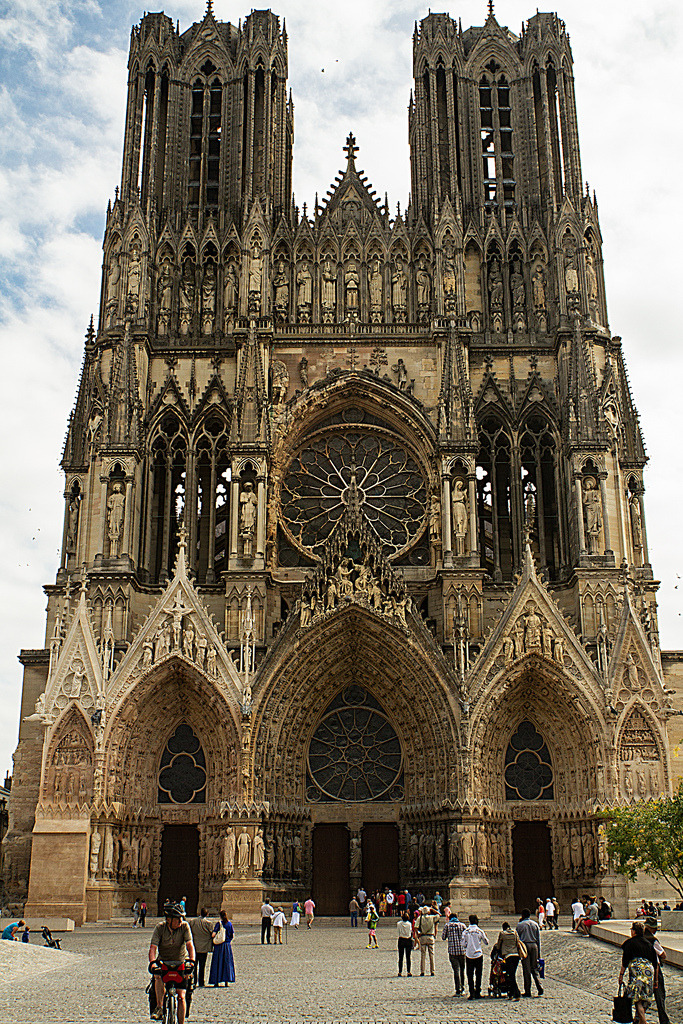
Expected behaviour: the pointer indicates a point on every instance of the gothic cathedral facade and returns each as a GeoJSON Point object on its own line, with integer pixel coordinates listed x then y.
{"type": "Point", "coordinates": [354, 582]}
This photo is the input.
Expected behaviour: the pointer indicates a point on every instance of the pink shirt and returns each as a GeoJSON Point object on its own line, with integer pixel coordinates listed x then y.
{"type": "Point", "coordinates": [309, 906]}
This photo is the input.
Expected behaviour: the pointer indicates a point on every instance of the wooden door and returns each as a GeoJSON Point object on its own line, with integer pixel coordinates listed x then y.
{"type": "Point", "coordinates": [380, 856]}
{"type": "Point", "coordinates": [179, 874]}
{"type": "Point", "coordinates": [531, 864]}
{"type": "Point", "coordinates": [331, 893]}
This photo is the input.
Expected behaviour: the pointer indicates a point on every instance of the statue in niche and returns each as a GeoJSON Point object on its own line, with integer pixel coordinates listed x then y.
{"type": "Point", "coordinates": [518, 634]}
{"type": "Point", "coordinates": [329, 291]}
{"type": "Point", "coordinates": [303, 372]}
{"type": "Point", "coordinates": [134, 276]}
{"type": "Point", "coordinates": [351, 284]}
{"type": "Point", "coordinates": [244, 851]}
{"type": "Point", "coordinates": [211, 661]}
{"type": "Point", "coordinates": [254, 278]}
{"type": "Point", "coordinates": [145, 857]}
{"type": "Point", "coordinates": [298, 853]}
{"type": "Point", "coordinates": [95, 843]}
{"type": "Point", "coordinates": [538, 285]}
{"type": "Point", "coordinates": [164, 297]}
{"type": "Point", "coordinates": [72, 524]}
{"type": "Point", "coordinates": [188, 642]}
{"type": "Point", "coordinates": [108, 857]}
{"type": "Point", "coordinates": [460, 511]}
{"type": "Point", "coordinates": [399, 291]}
{"type": "Point", "coordinates": [631, 672]}
{"type": "Point", "coordinates": [641, 781]}
{"type": "Point", "coordinates": [434, 521]}
{"type": "Point", "coordinates": [636, 524]}
{"type": "Point", "coordinates": [209, 298]}
{"type": "Point", "coordinates": [603, 856]}
{"type": "Point", "coordinates": [115, 508]}
{"type": "Point", "coordinates": [305, 612]}
{"type": "Point", "coordinates": [533, 630]}
{"type": "Point", "coordinates": [229, 847]}
{"type": "Point", "coordinates": [248, 505]}
{"type": "Point", "coordinates": [482, 850]}
{"type": "Point", "coordinates": [571, 276]}
{"type": "Point", "coordinates": [547, 642]}
{"type": "Point", "coordinates": [592, 286]}
{"type": "Point", "coordinates": [454, 850]}
{"type": "Point", "coordinates": [186, 295]}
{"type": "Point", "coordinates": [280, 382]}
{"type": "Point", "coordinates": [202, 644]}
{"type": "Point", "coordinates": [113, 283]}
{"type": "Point", "coordinates": [402, 374]}
{"type": "Point", "coordinates": [517, 286]}
{"type": "Point", "coordinates": [229, 293]}
{"type": "Point", "coordinates": [449, 285]}
{"type": "Point", "coordinates": [592, 513]}
{"type": "Point", "coordinates": [628, 782]}
{"type": "Point", "coordinates": [331, 594]}
{"type": "Point", "coordinates": [281, 287]}
{"type": "Point", "coordinates": [355, 857]}
{"type": "Point", "coordinates": [413, 844]}
{"type": "Point", "coordinates": [496, 296]}
{"type": "Point", "coordinates": [376, 291]}
{"type": "Point", "coordinates": [440, 852]}
{"type": "Point", "coordinates": [558, 650]}
{"type": "Point", "coordinates": [304, 292]}
{"type": "Point", "coordinates": [575, 851]}
{"type": "Point", "coordinates": [467, 851]}
{"type": "Point", "coordinates": [259, 851]}
{"type": "Point", "coordinates": [423, 282]}
{"type": "Point", "coordinates": [508, 650]}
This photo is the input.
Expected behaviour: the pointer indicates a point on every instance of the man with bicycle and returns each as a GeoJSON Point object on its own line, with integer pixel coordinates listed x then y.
{"type": "Point", "coordinates": [171, 945]}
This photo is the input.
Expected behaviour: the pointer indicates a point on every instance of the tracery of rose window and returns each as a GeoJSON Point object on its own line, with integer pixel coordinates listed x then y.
{"type": "Point", "coordinates": [391, 488]}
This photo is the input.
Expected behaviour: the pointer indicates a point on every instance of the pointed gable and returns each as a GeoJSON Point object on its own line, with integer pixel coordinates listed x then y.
{"type": "Point", "coordinates": [350, 194]}
{"type": "Point", "coordinates": [75, 675]}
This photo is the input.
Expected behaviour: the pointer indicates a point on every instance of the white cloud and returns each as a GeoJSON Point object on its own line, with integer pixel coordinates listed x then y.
{"type": "Point", "coordinates": [62, 105]}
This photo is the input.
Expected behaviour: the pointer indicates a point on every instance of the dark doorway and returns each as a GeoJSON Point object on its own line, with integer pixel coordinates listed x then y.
{"type": "Point", "coordinates": [380, 856]}
{"type": "Point", "coordinates": [179, 866]}
{"type": "Point", "coordinates": [331, 892]}
{"type": "Point", "coordinates": [531, 863]}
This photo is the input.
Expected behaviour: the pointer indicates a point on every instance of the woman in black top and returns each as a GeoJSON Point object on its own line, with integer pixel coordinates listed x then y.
{"type": "Point", "coordinates": [641, 962]}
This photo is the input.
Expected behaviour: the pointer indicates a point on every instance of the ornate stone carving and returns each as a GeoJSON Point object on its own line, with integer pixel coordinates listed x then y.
{"type": "Point", "coordinates": [248, 511]}
{"type": "Point", "coordinates": [115, 512]}
{"type": "Point", "coordinates": [592, 511]}
{"type": "Point", "coordinates": [209, 298]}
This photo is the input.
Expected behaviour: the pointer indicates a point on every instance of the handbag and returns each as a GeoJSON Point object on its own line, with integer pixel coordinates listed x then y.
{"type": "Point", "coordinates": [522, 948]}
{"type": "Point", "coordinates": [219, 937]}
{"type": "Point", "coordinates": [622, 1010]}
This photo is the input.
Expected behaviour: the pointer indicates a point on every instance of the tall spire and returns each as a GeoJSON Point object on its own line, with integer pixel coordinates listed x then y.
{"type": "Point", "coordinates": [209, 8]}
{"type": "Point", "coordinates": [491, 14]}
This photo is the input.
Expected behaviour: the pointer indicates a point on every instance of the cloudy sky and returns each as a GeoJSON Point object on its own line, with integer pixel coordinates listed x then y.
{"type": "Point", "coordinates": [62, 97]}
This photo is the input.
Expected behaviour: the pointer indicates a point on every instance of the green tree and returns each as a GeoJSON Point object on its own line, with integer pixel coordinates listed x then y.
{"type": "Point", "coordinates": [649, 837]}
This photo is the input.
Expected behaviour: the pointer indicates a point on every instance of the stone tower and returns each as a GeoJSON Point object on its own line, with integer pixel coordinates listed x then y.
{"type": "Point", "coordinates": [354, 567]}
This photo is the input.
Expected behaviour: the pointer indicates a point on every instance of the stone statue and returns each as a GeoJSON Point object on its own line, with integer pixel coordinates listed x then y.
{"type": "Point", "coordinates": [376, 290]}
{"type": "Point", "coordinates": [454, 851]}
{"type": "Point", "coordinates": [412, 853]}
{"type": "Point", "coordinates": [248, 506]}
{"type": "Point", "coordinates": [538, 285]}
{"type": "Point", "coordinates": [164, 297]}
{"type": "Point", "coordinates": [298, 852]}
{"type": "Point", "coordinates": [329, 292]}
{"type": "Point", "coordinates": [592, 513]}
{"type": "Point", "coordinates": [331, 594]}
{"type": "Point", "coordinates": [211, 661]}
{"type": "Point", "coordinates": [533, 630]}
{"type": "Point", "coordinates": [399, 287]}
{"type": "Point", "coordinates": [576, 851]}
{"type": "Point", "coordinates": [108, 856]}
{"type": "Point", "coordinates": [603, 856]}
{"type": "Point", "coordinates": [115, 506]}
{"type": "Point", "coordinates": [186, 295]}
{"type": "Point", "coordinates": [145, 857]}
{"type": "Point", "coordinates": [281, 286]}
{"type": "Point", "coordinates": [449, 285]}
{"type": "Point", "coordinates": [229, 293]}
{"type": "Point", "coordinates": [305, 612]}
{"type": "Point", "coordinates": [631, 672]}
{"type": "Point", "coordinates": [547, 643]}
{"type": "Point", "coordinates": [113, 282]}
{"type": "Point", "coordinates": [518, 634]}
{"type": "Point", "coordinates": [229, 844]}
{"type": "Point", "coordinates": [636, 523]}
{"type": "Point", "coordinates": [280, 381]}
{"type": "Point", "coordinates": [254, 278]}
{"type": "Point", "coordinates": [303, 372]}
{"type": "Point", "coordinates": [188, 642]}
{"type": "Point", "coordinates": [209, 298]}
{"type": "Point", "coordinates": [566, 852]}
{"type": "Point", "coordinates": [558, 650]}
{"type": "Point", "coordinates": [508, 650]}
{"type": "Point", "coordinates": [495, 285]}
{"type": "Point", "coordinates": [482, 850]}
{"type": "Point", "coordinates": [460, 509]}
{"type": "Point", "coordinates": [95, 843]}
{"type": "Point", "coordinates": [72, 524]}
{"type": "Point", "coordinates": [134, 273]}
{"type": "Point", "coordinates": [423, 281]}
{"type": "Point", "coordinates": [355, 855]}
{"type": "Point", "coordinates": [592, 286]}
{"type": "Point", "coordinates": [243, 851]}
{"type": "Point", "coordinates": [304, 291]}
{"type": "Point", "coordinates": [434, 521]}
{"type": "Point", "coordinates": [571, 277]}
{"type": "Point", "coordinates": [517, 286]}
{"type": "Point", "coordinates": [440, 851]}
{"type": "Point", "coordinates": [202, 644]}
{"type": "Point", "coordinates": [351, 283]}
{"type": "Point", "coordinates": [259, 851]}
{"type": "Point", "coordinates": [467, 851]}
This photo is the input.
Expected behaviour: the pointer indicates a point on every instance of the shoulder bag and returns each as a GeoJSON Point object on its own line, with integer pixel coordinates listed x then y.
{"type": "Point", "coordinates": [521, 947]}
{"type": "Point", "coordinates": [622, 1010]}
{"type": "Point", "coordinates": [219, 937]}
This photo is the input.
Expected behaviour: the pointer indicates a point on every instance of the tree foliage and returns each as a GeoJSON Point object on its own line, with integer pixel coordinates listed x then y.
{"type": "Point", "coordinates": [649, 837]}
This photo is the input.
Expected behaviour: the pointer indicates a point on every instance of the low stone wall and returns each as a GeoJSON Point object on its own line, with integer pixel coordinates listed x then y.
{"type": "Point", "coordinates": [671, 921]}
{"type": "Point", "coordinates": [617, 932]}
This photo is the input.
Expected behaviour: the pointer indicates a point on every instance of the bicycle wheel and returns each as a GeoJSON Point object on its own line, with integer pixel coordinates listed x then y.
{"type": "Point", "coordinates": [171, 1007]}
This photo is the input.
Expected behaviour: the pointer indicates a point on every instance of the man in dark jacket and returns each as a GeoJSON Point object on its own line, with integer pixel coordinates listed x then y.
{"type": "Point", "coordinates": [202, 933]}
{"type": "Point", "coordinates": [530, 935]}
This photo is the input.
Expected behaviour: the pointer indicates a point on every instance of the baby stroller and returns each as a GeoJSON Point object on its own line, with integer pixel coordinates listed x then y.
{"type": "Point", "coordinates": [497, 979]}
{"type": "Point", "coordinates": [49, 941]}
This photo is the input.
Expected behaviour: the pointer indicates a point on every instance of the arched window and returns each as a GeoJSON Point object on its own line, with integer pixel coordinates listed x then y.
{"type": "Point", "coordinates": [167, 461]}
{"type": "Point", "coordinates": [528, 769]}
{"type": "Point", "coordinates": [182, 772]}
{"type": "Point", "coordinates": [495, 116]}
{"type": "Point", "coordinates": [538, 456]}
{"type": "Point", "coordinates": [495, 500]}
{"type": "Point", "coordinates": [205, 142]}
{"type": "Point", "coordinates": [213, 488]}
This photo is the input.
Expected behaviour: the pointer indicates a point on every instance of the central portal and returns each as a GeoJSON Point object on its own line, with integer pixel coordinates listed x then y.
{"type": "Point", "coordinates": [331, 892]}
{"type": "Point", "coordinates": [531, 863]}
{"type": "Point", "coordinates": [179, 874]}
{"type": "Point", "coordinates": [380, 856]}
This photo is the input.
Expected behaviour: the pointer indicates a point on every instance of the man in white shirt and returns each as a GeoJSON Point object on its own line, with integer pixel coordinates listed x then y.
{"type": "Point", "coordinates": [267, 913]}
{"type": "Point", "coordinates": [577, 912]}
{"type": "Point", "coordinates": [550, 914]}
{"type": "Point", "coordinates": [474, 956]}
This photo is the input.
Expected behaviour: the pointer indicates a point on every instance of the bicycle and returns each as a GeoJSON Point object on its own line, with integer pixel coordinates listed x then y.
{"type": "Point", "coordinates": [173, 976]}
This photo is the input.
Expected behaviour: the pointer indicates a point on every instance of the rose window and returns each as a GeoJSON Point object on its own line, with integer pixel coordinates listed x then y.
{"type": "Point", "coordinates": [528, 769]}
{"type": "Point", "coordinates": [355, 754]}
{"type": "Point", "coordinates": [391, 487]}
{"type": "Point", "coordinates": [182, 775]}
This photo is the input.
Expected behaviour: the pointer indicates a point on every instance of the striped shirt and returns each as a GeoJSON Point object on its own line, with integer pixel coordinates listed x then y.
{"type": "Point", "coordinates": [454, 932]}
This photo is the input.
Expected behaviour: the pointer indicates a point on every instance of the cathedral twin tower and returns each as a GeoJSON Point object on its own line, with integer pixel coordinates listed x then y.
{"type": "Point", "coordinates": [354, 582]}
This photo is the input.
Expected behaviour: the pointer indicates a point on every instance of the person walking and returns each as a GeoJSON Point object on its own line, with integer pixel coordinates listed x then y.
{"type": "Point", "coordinates": [640, 960]}
{"type": "Point", "coordinates": [474, 956]}
{"type": "Point", "coordinates": [136, 912]}
{"type": "Point", "coordinates": [202, 936]}
{"type": "Point", "coordinates": [390, 902]}
{"type": "Point", "coordinates": [650, 933]}
{"type": "Point", "coordinates": [222, 964]}
{"type": "Point", "coordinates": [296, 914]}
{"type": "Point", "coordinates": [361, 896]}
{"type": "Point", "coordinates": [279, 922]}
{"type": "Point", "coordinates": [550, 914]}
{"type": "Point", "coordinates": [427, 923]}
{"type": "Point", "coordinates": [508, 946]}
{"type": "Point", "coordinates": [530, 935]}
{"type": "Point", "coordinates": [309, 910]}
{"type": "Point", "coordinates": [267, 914]}
{"type": "Point", "coordinates": [353, 911]}
{"type": "Point", "coordinates": [143, 913]}
{"type": "Point", "coordinates": [404, 929]}
{"type": "Point", "coordinates": [454, 934]}
{"type": "Point", "coordinates": [371, 919]}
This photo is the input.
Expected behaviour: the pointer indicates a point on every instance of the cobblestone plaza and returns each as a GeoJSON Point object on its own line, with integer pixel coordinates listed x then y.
{"type": "Point", "coordinates": [323, 975]}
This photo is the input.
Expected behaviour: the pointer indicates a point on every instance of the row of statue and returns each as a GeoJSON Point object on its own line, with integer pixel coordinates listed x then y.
{"type": "Point", "coordinates": [177, 635]}
{"type": "Point", "coordinates": [125, 856]}
{"type": "Point", "coordinates": [231, 853]}
{"type": "Point", "coordinates": [583, 850]}
{"type": "Point", "coordinates": [640, 780]}
{"type": "Point", "coordinates": [69, 785]}
{"type": "Point", "coordinates": [533, 635]}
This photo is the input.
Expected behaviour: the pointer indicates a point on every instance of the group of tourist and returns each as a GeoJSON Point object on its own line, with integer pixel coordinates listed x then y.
{"type": "Point", "coordinates": [587, 911]}
{"type": "Point", "coordinates": [274, 917]}
{"type": "Point", "coordinates": [139, 912]}
{"type": "Point", "coordinates": [16, 930]}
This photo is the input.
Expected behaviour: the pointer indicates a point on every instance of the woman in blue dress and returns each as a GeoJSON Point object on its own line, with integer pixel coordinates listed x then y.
{"type": "Point", "coordinates": [222, 964]}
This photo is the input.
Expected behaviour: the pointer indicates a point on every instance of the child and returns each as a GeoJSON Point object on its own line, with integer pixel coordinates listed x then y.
{"type": "Point", "coordinates": [278, 925]}
{"type": "Point", "coordinates": [371, 921]}
{"type": "Point", "coordinates": [25, 934]}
